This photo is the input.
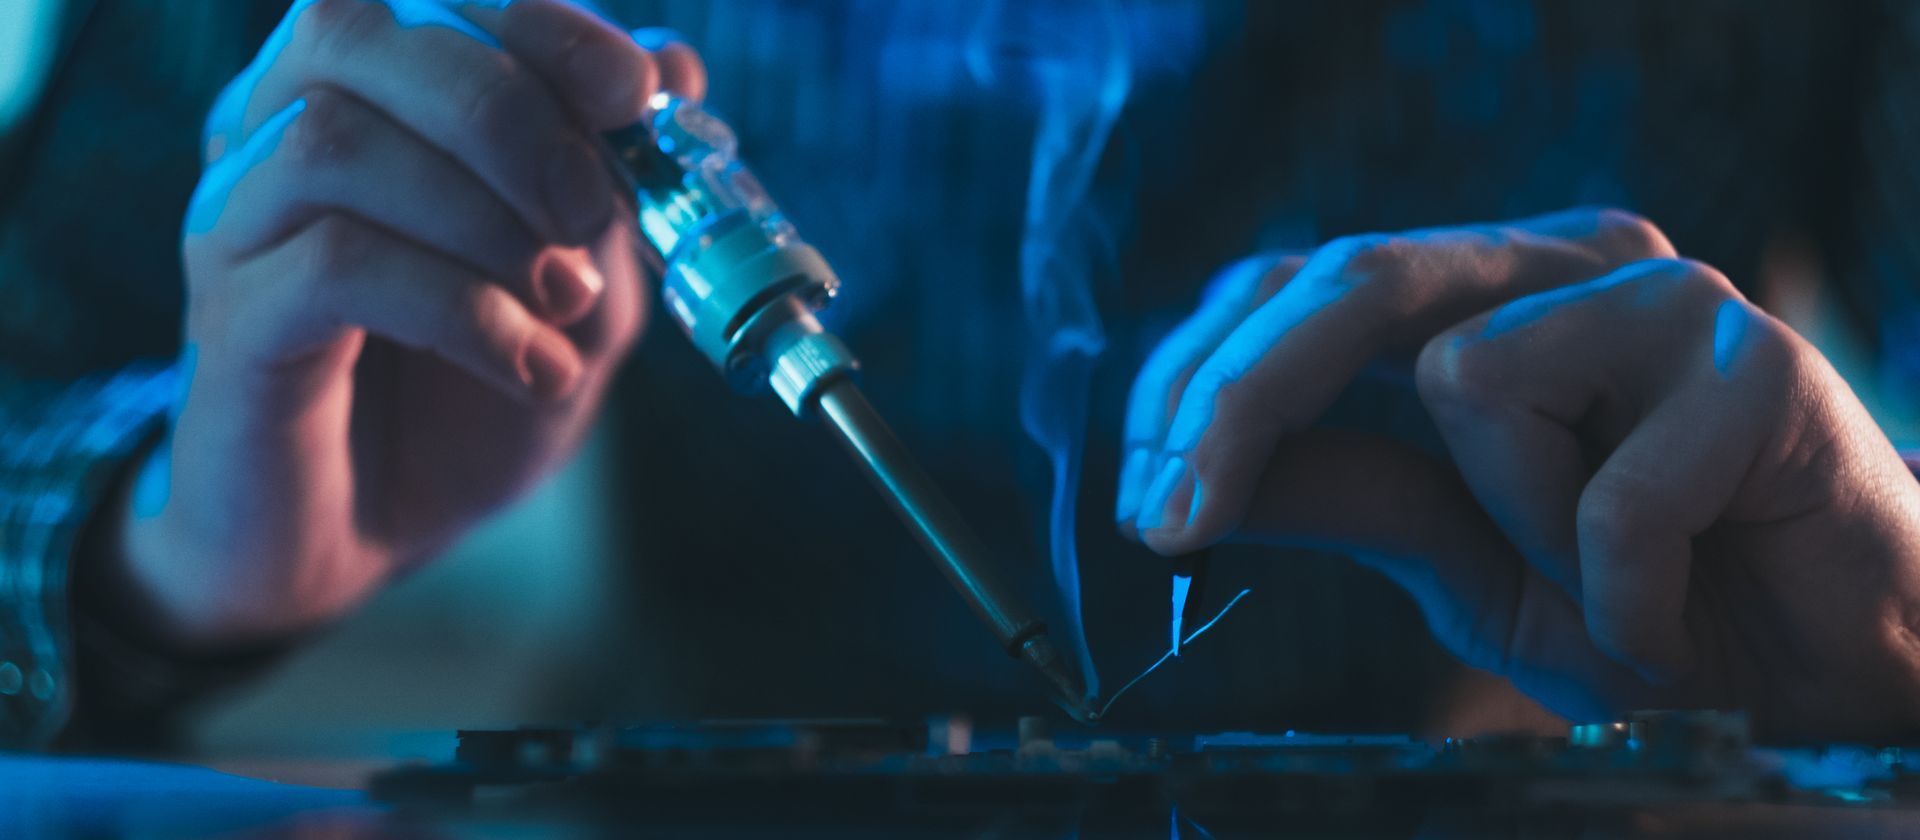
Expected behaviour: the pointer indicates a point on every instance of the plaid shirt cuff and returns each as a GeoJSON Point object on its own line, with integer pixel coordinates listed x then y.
{"type": "Point", "coordinates": [61, 447]}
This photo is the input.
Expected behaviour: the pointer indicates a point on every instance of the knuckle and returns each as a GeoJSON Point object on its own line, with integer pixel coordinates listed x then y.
{"type": "Point", "coordinates": [1775, 345]}
{"type": "Point", "coordinates": [335, 248]}
{"type": "Point", "coordinates": [1691, 278]}
{"type": "Point", "coordinates": [1210, 382]}
{"type": "Point", "coordinates": [1705, 278]}
{"type": "Point", "coordinates": [1454, 377]}
{"type": "Point", "coordinates": [1765, 349]}
{"type": "Point", "coordinates": [496, 102]}
{"type": "Point", "coordinates": [1599, 511]}
{"type": "Point", "coordinates": [1608, 508]}
{"type": "Point", "coordinates": [1280, 270]}
{"type": "Point", "coordinates": [1378, 268]}
{"type": "Point", "coordinates": [1630, 235]}
{"type": "Point", "coordinates": [1367, 253]}
{"type": "Point", "coordinates": [327, 131]}
{"type": "Point", "coordinates": [335, 29]}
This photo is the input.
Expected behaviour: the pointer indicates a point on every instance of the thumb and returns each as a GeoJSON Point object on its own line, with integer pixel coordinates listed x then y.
{"type": "Point", "coordinates": [1409, 516]}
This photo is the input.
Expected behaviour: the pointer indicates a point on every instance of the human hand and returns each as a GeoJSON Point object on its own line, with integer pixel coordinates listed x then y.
{"type": "Point", "coordinates": [409, 283]}
{"type": "Point", "coordinates": [1654, 494]}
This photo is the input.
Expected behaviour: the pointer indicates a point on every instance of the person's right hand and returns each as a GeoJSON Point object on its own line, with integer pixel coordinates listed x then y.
{"type": "Point", "coordinates": [409, 283]}
{"type": "Point", "coordinates": [1652, 493]}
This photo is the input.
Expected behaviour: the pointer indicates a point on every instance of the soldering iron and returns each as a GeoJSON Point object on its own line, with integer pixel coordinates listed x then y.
{"type": "Point", "coordinates": [744, 286]}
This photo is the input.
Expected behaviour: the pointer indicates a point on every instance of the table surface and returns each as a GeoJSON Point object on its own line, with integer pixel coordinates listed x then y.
{"type": "Point", "coordinates": [60, 797]}
{"type": "Point", "coordinates": [55, 798]}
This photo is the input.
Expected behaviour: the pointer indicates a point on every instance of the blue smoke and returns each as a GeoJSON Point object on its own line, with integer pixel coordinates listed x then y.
{"type": "Point", "coordinates": [1072, 59]}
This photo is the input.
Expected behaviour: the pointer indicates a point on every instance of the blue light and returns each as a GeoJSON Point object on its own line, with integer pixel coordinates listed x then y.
{"type": "Point", "coordinates": [1153, 509]}
{"type": "Point", "coordinates": [1073, 60]}
{"type": "Point", "coordinates": [1729, 327]}
{"type": "Point", "coordinates": [1182, 584]}
{"type": "Point", "coordinates": [216, 187]}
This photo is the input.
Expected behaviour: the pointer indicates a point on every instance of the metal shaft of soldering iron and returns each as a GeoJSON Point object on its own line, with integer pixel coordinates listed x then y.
{"type": "Point", "coordinates": [961, 555]}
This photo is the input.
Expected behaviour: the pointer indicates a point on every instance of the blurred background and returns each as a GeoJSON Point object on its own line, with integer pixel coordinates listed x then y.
{"type": "Point", "coordinates": [707, 556]}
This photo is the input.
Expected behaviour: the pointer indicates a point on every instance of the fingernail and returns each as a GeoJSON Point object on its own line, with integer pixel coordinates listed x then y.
{"type": "Point", "coordinates": [579, 195]}
{"type": "Point", "coordinates": [604, 74]}
{"type": "Point", "coordinates": [1193, 508]}
{"type": "Point", "coordinates": [1153, 506]}
{"type": "Point", "coordinates": [550, 366]}
{"type": "Point", "coordinates": [1195, 413]}
{"type": "Point", "coordinates": [568, 285]}
{"type": "Point", "coordinates": [1133, 483]}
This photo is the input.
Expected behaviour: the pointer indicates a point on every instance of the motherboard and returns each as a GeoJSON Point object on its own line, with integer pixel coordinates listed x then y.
{"type": "Point", "coordinates": [944, 778]}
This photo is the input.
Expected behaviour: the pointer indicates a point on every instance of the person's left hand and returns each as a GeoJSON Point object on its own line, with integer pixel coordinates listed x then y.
{"type": "Point", "coordinates": [1655, 495]}
{"type": "Point", "coordinates": [410, 282]}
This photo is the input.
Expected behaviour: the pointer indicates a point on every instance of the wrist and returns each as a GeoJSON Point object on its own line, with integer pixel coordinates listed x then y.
{"type": "Point", "coordinates": [148, 573]}
{"type": "Point", "coordinates": [117, 547]}
{"type": "Point", "coordinates": [204, 577]}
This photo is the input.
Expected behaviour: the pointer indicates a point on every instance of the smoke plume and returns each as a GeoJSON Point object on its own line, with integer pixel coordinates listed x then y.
{"type": "Point", "coordinates": [1073, 61]}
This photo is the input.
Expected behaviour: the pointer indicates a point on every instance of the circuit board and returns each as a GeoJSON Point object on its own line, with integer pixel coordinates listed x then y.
{"type": "Point", "coordinates": [941, 778]}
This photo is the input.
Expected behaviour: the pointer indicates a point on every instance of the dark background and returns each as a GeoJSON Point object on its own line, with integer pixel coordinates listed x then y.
{"type": "Point", "coordinates": [708, 556]}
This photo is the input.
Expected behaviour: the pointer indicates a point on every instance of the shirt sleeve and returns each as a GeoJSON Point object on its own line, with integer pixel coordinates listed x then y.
{"type": "Point", "coordinates": [62, 445]}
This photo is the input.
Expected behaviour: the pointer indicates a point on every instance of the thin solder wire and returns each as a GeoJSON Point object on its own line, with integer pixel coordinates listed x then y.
{"type": "Point", "coordinates": [1179, 818]}
{"type": "Point", "coordinates": [1169, 654]}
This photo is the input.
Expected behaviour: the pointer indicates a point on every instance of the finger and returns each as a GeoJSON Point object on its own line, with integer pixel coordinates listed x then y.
{"type": "Point", "coordinates": [589, 63]}
{"type": "Point", "coordinates": [1407, 515]}
{"type": "Point", "coordinates": [336, 153]}
{"type": "Point", "coordinates": [1507, 407]}
{"type": "Point", "coordinates": [1157, 388]}
{"type": "Point", "coordinates": [1353, 301]}
{"type": "Point", "coordinates": [434, 73]}
{"type": "Point", "coordinates": [341, 274]}
{"type": "Point", "coordinates": [681, 69]}
{"type": "Point", "coordinates": [222, 132]}
{"type": "Point", "coordinates": [1666, 484]}
{"type": "Point", "coordinates": [1681, 430]}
